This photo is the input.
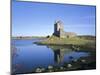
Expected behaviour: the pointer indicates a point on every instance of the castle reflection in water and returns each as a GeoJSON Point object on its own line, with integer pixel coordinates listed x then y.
{"type": "Point", "coordinates": [59, 53]}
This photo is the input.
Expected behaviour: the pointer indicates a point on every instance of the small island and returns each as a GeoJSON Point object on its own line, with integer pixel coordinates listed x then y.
{"type": "Point", "coordinates": [62, 38]}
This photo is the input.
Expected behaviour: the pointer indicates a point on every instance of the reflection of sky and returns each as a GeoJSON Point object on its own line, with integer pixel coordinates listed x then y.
{"type": "Point", "coordinates": [30, 56]}
{"type": "Point", "coordinates": [29, 18]}
{"type": "Point", "coordinates": [75, 55]}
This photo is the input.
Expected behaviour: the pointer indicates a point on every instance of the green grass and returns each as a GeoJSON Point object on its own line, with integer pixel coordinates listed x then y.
{"type": "Point", "coordinates": [74, 41]}
{"type": "Point", "coordinates": [77, 41]}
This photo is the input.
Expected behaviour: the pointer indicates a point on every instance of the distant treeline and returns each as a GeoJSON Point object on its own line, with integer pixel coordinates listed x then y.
{"type": "Point", "coordinates": [27, 37]}
{"type": "Point", "coordinates": [89, 37]}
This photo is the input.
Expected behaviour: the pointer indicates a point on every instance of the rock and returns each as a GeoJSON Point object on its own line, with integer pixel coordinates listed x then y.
{"type": "Point", "coordinates": [61, 68]}
{"type": "Point", "coordinates": [75, 60]}
{"type": "Point", "coordinates": [38, 70]}
{"type": "Point", "coordinates": [83, 60]}
{"type": "Point", "coordinates": [50, 67]}
{"type": "Point", "coordinates": [69, 65]}
{"type": "Point", "coordinates": [43, 69]}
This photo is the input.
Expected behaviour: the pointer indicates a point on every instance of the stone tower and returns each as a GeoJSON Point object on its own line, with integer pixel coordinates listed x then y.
{"type": "Point", "coordinates": [58, 28]}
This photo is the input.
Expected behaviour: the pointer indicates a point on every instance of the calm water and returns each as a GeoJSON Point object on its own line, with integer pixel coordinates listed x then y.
{"type": "Point", "coordinates": [28, 56]}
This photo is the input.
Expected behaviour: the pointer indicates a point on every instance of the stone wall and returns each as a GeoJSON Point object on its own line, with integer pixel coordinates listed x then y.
{"type": "Point", "coordinates": [59, 31]}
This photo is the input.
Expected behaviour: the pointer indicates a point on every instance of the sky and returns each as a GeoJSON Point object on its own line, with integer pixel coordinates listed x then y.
{"type": "Point", "coordinates": [37, 19]}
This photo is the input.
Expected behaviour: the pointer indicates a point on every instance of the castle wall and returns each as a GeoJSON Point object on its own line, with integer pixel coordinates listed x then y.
{"type": "Point", "coordinates": [59, 31]}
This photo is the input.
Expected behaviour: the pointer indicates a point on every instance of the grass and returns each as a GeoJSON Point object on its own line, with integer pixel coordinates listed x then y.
{"type": "Point", "coordinates": [76, 41]}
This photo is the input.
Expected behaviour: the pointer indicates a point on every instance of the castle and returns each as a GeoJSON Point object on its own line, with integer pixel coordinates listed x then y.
{"type": "Point", "coordinates": [59, 30]}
